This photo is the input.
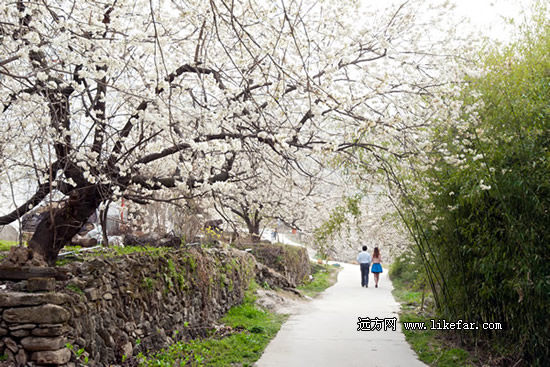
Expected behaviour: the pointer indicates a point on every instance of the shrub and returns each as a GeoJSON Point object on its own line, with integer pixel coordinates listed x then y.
{"type": "Point", "coordinates": [484, 224]}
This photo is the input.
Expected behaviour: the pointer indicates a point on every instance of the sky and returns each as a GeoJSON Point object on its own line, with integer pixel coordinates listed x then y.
{"type": "Point", "coordinates": [490, 16]}
{"type": "Point", "coordinates": [486, 16]}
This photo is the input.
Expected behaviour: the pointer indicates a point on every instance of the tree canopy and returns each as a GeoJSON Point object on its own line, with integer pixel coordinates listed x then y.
{"type": "Point", "coordinates": [103, 101]}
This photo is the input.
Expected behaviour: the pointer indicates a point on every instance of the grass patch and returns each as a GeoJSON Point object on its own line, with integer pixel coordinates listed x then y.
{"type": "Point", "coordinates": [6, 245]}
{"type": "Point", "coordinates": [72, 248]}
{"type": "Point", "coordinates": [408, 297]}
{"type": "Point", "coordinates": [242, 348]}
{"type": "Point", "coordinates": [433, 347]}
{"type": "Point", "coordinates": [127, 250]}
{"type": "Point", "coordinates": [109, 252]}
{"type": "Point", "coordinates": [324, 276]}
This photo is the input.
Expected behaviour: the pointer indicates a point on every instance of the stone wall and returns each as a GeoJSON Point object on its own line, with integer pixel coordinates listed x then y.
{"type": "Point", "coordinates": [33, 326]}
{"type": "Point", "coordinates": [290, 261]}
{"type": "Point", "coordinates": [137, 303]}
{"type": "Point", "coordinates": [114, 307]}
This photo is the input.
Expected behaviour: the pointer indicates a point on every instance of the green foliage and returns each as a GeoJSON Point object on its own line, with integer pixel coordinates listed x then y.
{"type": "Point", "coordinates": [172, 276]}
{"type": "Point", "coordinates": [405, 269]}
{"type": "Point", "coordinates": [127, 250]}
{"type": "Point", "coordinates": [72, 248]}
{"type": "Point", "coordinates": [192, 263]}
{"type": "Point", "coordinates": [149, 283]}
{"type": "Point", "coordinates": [324, 276]}
{"type": "Point", "coordinates": [241, 348]}
{"type": "Point", "coordinates": [79, 353]}
{"type": "Point", "coordinates": [175, 277]}
{"type": "Point", "coordinates": [339, 220]}
{"type": "Point", "coordinates": [75, 289]}
{"type": "Point", "coordinates": [484, 227]}
{"type": "Point", "coordinates": [406, 274]}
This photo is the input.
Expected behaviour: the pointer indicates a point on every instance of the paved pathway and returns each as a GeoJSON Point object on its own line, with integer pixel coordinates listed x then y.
{"type": "Point", "coordinates": [324, 331]}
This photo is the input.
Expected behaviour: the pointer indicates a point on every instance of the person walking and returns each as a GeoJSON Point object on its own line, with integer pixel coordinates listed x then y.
{"type": "Point", "coordinates": [376, 267]}
{"type": "Point", "coordinates": [364, 260]}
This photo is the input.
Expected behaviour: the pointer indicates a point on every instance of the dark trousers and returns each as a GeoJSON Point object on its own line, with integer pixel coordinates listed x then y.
{"type": "Point", "coordinates": [364, 274]}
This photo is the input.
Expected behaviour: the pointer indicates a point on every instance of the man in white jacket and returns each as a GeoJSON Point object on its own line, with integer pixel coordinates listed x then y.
{"type": "Point", "coordinates": [364, 260]}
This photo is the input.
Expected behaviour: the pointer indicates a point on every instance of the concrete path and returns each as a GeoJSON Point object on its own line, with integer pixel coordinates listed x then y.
{"type": "Point", "coordinates": [323, 332]}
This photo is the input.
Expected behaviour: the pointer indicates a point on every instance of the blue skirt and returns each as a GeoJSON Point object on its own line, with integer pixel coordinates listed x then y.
{"type": "Point", "coordinates": [376, 268]}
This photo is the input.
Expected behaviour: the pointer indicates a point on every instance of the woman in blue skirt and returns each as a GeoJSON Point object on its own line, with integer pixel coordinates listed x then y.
{"type": "Point", "coordinates": [376, 268]}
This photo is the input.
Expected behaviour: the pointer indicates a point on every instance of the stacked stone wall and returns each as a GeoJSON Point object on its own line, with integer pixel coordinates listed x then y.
{"type": "Point", "coordinates": [110, 309]}
{"type": "Point", "coordinates": [33, 327]}
{"type": "Point", "coordinates": [290, 261]}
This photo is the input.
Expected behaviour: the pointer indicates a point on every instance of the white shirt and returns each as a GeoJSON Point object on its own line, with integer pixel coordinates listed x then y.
{"type": "Point", "coordinates": [363, 257]}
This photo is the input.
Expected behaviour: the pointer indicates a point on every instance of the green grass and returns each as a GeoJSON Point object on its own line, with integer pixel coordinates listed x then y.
{"type": "Point", "coordinates": [6, 245]}
{"type": "Point", "coordinates": [430, 347]}
{"type": "Point", "coordinates": [241, 348]}
{"type": "Point", "coordinates": [408, 297]}
{"type": "Point", "coordinates": [109, 252]}
{"type": "Point", "coordinates": [126, 250]}
{"type": "Point", "coordinates": [114, 251]}
{"type": "Point", "coordinates": [433, 347]}
{"type": "Point", "coordinates": [324, 276]}
{"type": "Point", "coordinates": [71, 248]}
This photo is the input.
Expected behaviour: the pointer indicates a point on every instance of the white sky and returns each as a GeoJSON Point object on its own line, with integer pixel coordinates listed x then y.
{"type": "Point", "coordinates": [486, 16]}
{"type": "Point", "coordinates": [490, 15]}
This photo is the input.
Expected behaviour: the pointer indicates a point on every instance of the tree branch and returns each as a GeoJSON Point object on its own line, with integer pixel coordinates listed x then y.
{"type": "Point", "coordinates": [192, 69]}
{"type": "Point", "coordinates": [42, 191]}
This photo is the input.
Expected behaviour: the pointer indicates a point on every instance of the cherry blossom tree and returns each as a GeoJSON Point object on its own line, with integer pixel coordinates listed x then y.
{"type": "Point", "coordinates": [273, 191]}
{"type": "Point", "coordinates": [119, 99]}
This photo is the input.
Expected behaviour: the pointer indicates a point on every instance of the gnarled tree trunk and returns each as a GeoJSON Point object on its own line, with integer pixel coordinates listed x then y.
{"type": "Point", "coordinates": [58, 228]}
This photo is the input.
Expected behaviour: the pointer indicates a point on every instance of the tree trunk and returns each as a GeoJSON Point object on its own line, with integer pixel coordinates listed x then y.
{"type": "Point", "coordinates": [103, 217]}
{"type": "Point", "coordinates": [253, 225]}
{"type": "Point", "coordinates": [252, 221]}
{"type": "Point", "coordinates": [57, 229]}
{"type": "Point", "coordinates": [254, 231]}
